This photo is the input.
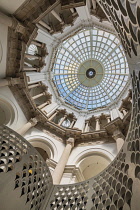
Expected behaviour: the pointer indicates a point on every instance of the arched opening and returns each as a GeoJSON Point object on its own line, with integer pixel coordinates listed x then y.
{"type": "Point", "coordinates": [7, 114]}
{"type": "Point", "coordinates": [92, 164]}
{"type": "Point", "coordinates": [44, 148]}
{"type": "Point", "coordinates": [43, 153]}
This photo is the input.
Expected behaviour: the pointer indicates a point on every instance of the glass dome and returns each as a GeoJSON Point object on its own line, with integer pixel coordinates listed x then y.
{"type": "Point", "coordinates": [90, 69]}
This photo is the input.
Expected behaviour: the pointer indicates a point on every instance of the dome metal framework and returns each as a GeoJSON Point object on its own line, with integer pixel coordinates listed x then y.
{"type": "Point", "coordinates": [90, 69]}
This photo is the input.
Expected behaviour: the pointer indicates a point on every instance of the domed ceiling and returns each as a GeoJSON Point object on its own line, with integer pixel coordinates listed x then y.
{"type": "Point", "coordinates": [90, 69]}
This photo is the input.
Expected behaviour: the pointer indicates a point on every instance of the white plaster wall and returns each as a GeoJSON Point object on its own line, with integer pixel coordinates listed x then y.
{"type": "Point", "coordinates": [19, 119]}
{"type": "Point", "coordinates": [3, 49]}
{"type": "Point", "coordinates": [11, 6]}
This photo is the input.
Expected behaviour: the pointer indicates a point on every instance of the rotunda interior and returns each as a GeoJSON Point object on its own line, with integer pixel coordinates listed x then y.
{"type": "Point", "coordinates": [69, 104]}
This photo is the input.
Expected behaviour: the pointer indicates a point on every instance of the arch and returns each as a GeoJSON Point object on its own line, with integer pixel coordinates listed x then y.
{"type": "Point", "coordinates": [45, 144]}
{"type": "Point", "coordinates": [91, 162]}
{"type": "Point", "coordinates": [88, 152]}
{"type": "Point", "coordinates": [8, 112]}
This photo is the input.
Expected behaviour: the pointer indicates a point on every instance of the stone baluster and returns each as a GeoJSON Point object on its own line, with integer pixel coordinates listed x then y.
{"type": "Point", "coordinates": [27, 126]}
{"type": "Point", "coordinates": [97, 123]}
{"type": "Point", "coordinates": [10, 82]}
{"type": "Point", "coordinates": [119, 138]}
{"type": "Point", "coordinates": [62, 120]}
{"type": "Point", "coordinates": [58, 172]}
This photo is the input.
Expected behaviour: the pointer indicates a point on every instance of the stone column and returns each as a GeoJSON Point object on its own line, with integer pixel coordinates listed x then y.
{"type": "Point", "coordinates": [72, 123]}
{"type": "Point", "coordinates": [58, 172]}
{"type": "Point", "coordinates": [97, 124]}
{"type": "Point", "coordinates": [62, 120]}
{"type": "Point", "coordinates": [27, 126]}
{"type": "Point", "coordinates": [108, 119]}
{"type": "Point", "coordinates": [53, 115]}
{"type": "Point", "coordinates": [124, 111]}
{"type": "Point", "coordinates": [94, 4]}
{"type": "Point", "coordinates": [30, 69]}
{"type": "Point", "coordinates": [42, 23]}
{"type": "Point", "coordinates": [72, 10]}
{"type": "Point", "coordinates": [38, 44]}
{"type": "Point", "coordinates": [41, 106]}
{"type": "Point", "coordinates": [56, 16]}
{"type": "Point", "coordinates": [86, 127]}
{"type": "Point", "coordinates": [119, 138]}
{"type": "Point", "coordinates": [38, 96]}
{"type": "Point", "coordinates": [33, 56]}
{"type": "Point", "coordinates": [9, 82]}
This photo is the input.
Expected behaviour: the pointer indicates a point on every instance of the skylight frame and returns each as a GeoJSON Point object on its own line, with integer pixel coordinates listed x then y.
{"type": "Point", "coordinates": [65, 77]}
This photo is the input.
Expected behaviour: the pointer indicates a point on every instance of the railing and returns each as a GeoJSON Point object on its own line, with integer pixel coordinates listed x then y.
{"type": "Point", "coordinates": [25, 179]}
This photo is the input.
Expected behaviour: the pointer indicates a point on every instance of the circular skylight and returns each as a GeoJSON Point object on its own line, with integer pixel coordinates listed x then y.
{"type": "Point", "coordinates": [90, 69]}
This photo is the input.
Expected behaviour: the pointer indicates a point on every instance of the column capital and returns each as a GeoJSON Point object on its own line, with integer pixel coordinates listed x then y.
{"type": "Point", "coordinates": [19, 27]}
{"type": "Point", "coordinates": [70, 141]}
{"type": "Point", "coordinates": [33, 121]}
